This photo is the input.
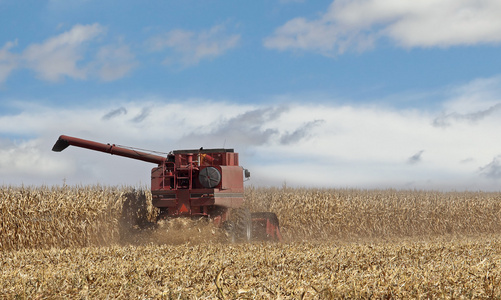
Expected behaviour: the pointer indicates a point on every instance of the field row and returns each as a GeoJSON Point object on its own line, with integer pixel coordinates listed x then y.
{"type": "Point", "coordinates": [405, 269]}
{"type": "Point", "coordinates": [89, 216]}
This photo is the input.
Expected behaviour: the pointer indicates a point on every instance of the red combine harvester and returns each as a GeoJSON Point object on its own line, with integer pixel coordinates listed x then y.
{"type": "Point", "coordinates": [202, 183]}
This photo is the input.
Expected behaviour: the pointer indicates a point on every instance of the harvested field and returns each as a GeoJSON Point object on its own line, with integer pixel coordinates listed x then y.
{"type": "Point", "coordinates": [65, 242]}
{"type": "Point", "coordinates": [403, 269]}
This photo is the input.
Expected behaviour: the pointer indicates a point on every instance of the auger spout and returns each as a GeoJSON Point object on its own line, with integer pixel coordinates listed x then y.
{"type": "Point", "coordinates": [64, 141]}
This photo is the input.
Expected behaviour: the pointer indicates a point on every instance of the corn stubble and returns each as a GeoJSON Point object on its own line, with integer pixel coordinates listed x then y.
{"type": "Point", "coordinates": [340, 243]}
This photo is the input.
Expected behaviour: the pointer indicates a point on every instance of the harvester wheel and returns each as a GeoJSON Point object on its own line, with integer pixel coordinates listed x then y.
{"type": "Point", "coordinates": [134, 214]}
{"type": "Point", "coordinates": [265, 226]}
{"type": "Point", "coordinates": [240, 225]}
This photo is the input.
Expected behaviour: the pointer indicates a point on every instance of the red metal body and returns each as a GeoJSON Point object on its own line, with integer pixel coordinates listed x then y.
{"type": "Point", "coordinates": [265, 226]}
{"type": "Point", "coordinates": [202, 182]}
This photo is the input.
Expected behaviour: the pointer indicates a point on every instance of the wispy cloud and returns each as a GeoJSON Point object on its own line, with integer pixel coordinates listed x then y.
{"type": "Point", "coordinates": [479, 100]}
{"type": "Point", "coordinates": [70, 55]}
{"type": "Point", "coordinates": [114, 62]}
{"type": "Point", "coordinates": [187, 48]}
{"type": "Point", "coordinates": [115, 113]}
{"type": "Point", "coordinates": [445, 120]}
{"type": "Point", "coordinates": [415, 158]}
{"type": "Point", "coordinates": [145, 112]}
{"type": "Point", "coordinates": [359, 24]}
{"type": "Point", "coordinates": [493, 169]}
{"type": "Point", "coordinates": [58, 56]}
{"type": "Point", "coordinates": [300, 133]}
{"type": "Point", "coordinates": [8, 61]}
{"type": "Point", "coordinates": [251, 128]}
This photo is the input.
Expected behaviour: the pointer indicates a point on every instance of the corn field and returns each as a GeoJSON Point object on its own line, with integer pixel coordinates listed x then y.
{"type": "Point", "coordinates": [65, 242]}
{"type": "Point", "coordinates": [58, 217]}
{"type": "Point", "coordinates": [322, 214]}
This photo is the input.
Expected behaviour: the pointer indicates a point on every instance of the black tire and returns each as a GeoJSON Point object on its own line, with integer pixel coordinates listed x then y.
{"type": "Point", "coordinates": [240, 225]}
{"type": "Point", "coordinates": [134, 215]}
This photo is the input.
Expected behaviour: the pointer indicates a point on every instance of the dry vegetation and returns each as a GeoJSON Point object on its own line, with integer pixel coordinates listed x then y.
{"type": "Point", "coordinates": [444, 269]}
{"type": "Point", "coordinates": [352, 213]}
{"type": "Point", "coordinates": [65, 242]}
{"type": "Point", "coordinates": [58, 217]}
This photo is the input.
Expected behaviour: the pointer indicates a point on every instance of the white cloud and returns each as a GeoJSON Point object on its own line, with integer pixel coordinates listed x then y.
{"type": "Point", "coordinates": [59, 56]}
{"type": "Point", "coordinates": [8, 61]}
{"type": "Point", "coordinates": [303, 144]}
{"type": "Point", "coordinates": [473, 102]}
{"type": "Point", "coordinates": [358, 24]}
{"type": "Point", "coordinates": [187, 48]}
{"type": "Point", "coordinates": [71, 54]}
{"type": "Point", "coordinates": [492, 169]}
{"type": "Point", "coordinates": [26, 162]}
{"type": "Point", "coordinates": [114, 62]}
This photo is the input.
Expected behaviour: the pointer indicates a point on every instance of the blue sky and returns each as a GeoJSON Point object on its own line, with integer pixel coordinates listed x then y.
{"type": "Point", "coordinates": [359, 93]}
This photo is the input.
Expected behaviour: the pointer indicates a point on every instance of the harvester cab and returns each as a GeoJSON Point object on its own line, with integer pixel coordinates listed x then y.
{"type": "Point", "coordinates": [196, 183]}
